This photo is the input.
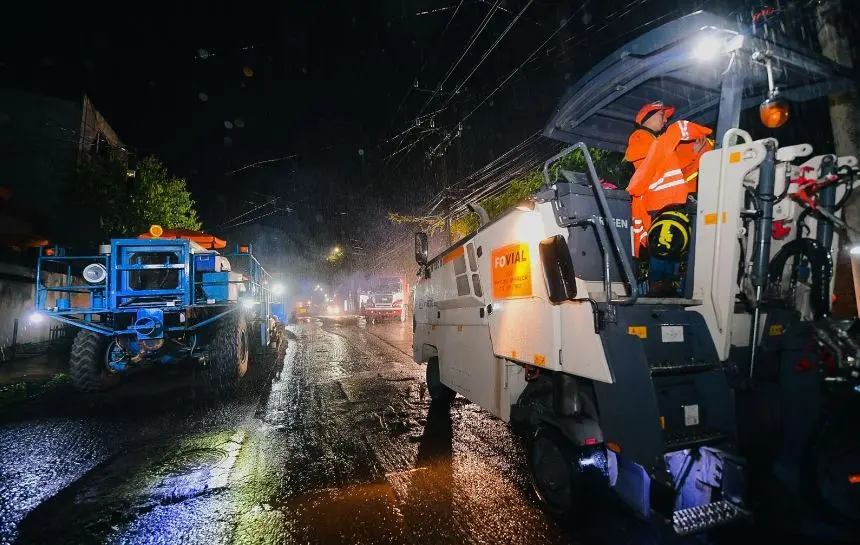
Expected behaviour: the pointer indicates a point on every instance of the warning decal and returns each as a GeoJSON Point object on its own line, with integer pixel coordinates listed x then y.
{"type": "Point", "coordinates": [512, 274]}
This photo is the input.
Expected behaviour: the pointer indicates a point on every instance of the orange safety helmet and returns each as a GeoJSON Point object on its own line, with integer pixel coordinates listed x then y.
{"type": "Point", "coordinates": [650, 109]}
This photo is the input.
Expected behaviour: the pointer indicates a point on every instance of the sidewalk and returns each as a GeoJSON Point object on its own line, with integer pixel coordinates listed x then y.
{"type": "Point", "coordinates": [26, 377]}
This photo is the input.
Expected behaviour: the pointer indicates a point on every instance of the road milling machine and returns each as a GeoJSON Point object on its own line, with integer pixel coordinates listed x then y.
{"type": "Point", "coordinates": [536, 316]}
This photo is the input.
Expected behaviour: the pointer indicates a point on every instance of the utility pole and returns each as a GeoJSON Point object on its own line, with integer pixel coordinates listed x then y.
{"type": "Point", "coordinates": [836, 46]}
{"type": "Point", "coordinates": [448, 207]}
{"type": "Point", "coordinates": [447, 201]}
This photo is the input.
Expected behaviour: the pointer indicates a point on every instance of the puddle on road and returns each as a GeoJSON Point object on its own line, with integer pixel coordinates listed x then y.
{"type": "Point", "coordinates": [460, 501]}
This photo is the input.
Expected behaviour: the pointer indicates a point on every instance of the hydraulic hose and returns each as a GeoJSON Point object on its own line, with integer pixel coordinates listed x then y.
{"type": "Point", "coordinates": [822, 270]}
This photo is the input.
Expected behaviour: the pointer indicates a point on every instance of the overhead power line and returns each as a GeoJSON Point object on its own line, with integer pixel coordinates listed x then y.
{"type": "Point", "coordinates": [423, 66]}
{"type": "Point", "coordinates": [261, 163]}
{"type": "Point", "coordinates": [488, 51]}
{"type": "Point", "coordinates": [475, 35]}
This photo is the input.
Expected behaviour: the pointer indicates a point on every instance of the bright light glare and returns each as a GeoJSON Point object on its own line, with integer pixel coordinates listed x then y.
{"type": "Point", "coordinates": [855, 250]}
{"type": "Point", "coordinates": [707, 48]}
{"type": "Point", "coordinates": [247, 303]}
{"type": "Point", "coordinates": [36, 317]}
{"type": "Point", "coordinates": [278, 289]}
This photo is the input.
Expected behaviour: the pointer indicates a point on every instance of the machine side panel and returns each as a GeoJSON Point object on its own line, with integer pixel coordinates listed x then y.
{"type": "Point", "coordinates": [720, 198]}
{"type": "Point", "coordinates": [467, 364]}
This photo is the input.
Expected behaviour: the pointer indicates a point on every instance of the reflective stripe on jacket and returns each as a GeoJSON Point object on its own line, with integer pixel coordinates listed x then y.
{"type": "Point", "coordinates": [666, 175]}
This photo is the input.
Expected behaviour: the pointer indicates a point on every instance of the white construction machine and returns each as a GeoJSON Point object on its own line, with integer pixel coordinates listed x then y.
{"type": "Point", "coordinates": [535, 316]}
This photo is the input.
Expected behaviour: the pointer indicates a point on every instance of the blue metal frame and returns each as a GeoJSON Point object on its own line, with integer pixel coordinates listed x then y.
{"type": "Point", "coordinates": [115, 295]}
{"type": "Point", "coordinates": [662, 65]}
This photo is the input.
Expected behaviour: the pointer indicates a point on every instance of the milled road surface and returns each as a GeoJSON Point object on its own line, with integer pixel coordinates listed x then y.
{"type": "Point", "coordinates": [336, 443]}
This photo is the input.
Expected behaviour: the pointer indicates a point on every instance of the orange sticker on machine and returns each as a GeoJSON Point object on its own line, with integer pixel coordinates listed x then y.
{"type": "Point", "coordinates": [638, 330]}
{"type": "Point", "coordinates": [711, 219]}
{"type": "Point", "coordinates": [512, 273]}
{"type": "Point", "coordinates": [455, 253]}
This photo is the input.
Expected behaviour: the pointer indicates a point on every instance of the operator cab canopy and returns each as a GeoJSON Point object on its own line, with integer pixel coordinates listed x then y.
{"type": "Point", "coordinates": [708, 68]}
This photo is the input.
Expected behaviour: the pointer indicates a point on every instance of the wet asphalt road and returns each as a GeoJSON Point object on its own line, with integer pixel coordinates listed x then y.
{"type": "Point", "coordinates": [336, 443]}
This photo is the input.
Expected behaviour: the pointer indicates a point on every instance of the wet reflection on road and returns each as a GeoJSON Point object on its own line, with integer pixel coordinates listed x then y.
{"type": "Point", "coordinates": [337, 443]}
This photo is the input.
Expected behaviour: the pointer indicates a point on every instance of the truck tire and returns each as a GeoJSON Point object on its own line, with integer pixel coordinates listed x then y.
{"type": "Point", "coordinates": [88, 363]}
{"type": "Point", "coordinates": [255, 345]}
{"type": "Point", "coordinates": [558, 479]}
{"type": "Point", "coordinates": [229, 353]}
{"type": "Point", "coordinates": [438, 391]}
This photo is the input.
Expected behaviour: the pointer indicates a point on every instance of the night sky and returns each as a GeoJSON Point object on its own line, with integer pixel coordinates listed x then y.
{"type": "Point", "coordinates": [320, 90]}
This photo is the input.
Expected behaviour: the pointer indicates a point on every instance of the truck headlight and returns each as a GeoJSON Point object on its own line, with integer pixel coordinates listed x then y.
{"type": "Point", "coordinates": [95, 273]}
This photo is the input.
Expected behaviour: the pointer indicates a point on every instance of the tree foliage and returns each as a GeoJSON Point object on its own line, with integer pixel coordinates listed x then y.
{"type": "Point", "coordinates": [117, 203]}
{"type": "Point", "coordinates": [428, 224]}
{"type": "Point", "coordinates": [609, 166]}
{"type": "Point", "coordinates": [157, 197]}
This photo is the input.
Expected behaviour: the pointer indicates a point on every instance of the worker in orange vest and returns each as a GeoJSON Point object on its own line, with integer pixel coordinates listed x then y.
{"type": "Point", "coordinates": [667, 164]}
{"type": "Point", "coordinates": [670, 158]}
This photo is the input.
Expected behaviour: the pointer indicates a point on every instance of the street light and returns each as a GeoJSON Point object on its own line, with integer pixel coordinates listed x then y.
{"type": "Point", "coordinates": [278, 289]}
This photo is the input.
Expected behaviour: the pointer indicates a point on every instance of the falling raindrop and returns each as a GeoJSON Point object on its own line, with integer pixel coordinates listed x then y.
{"type": "Point", "coordinates": [203, 96]}
{"type": "Point", "coordinates": [248, 71]}
{"type": "Point", "coordinates": [228, 124]}
{"type": "Point", "coordinates": [228, 141]}
{"type": "Point", "coordinates": [203, 53]}
{"type": "Point", "coordinates": [361, 151]}
{"type": "Point", "coordinates": [586, 18]}
{"type": "Point", "coordinates": [304, 70]}
{"type": "Point", "coordinates": [239, 123]}
{"type": "Point", "coordinates": [562, 22]}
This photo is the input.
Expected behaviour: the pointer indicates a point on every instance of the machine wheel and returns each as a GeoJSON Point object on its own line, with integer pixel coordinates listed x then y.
{"type": "Point", "coordinates": [557, 476]}
{"type": "Point", "coordinates": [230, 351]}
{"type": "Point", "coordinates": [88, 363]}
{"type": "Point", "coordinates": [833, 466]}
{"type": "Point", "coordinates": [438, 391]}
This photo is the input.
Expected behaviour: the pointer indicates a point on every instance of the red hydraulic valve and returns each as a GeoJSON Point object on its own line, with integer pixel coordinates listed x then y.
{"type": "Point", "coordinates": [780, 229]}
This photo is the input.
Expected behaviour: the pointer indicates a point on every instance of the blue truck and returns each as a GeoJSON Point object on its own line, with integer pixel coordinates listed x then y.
{"type": "Point", "coordinates": [157, 300]}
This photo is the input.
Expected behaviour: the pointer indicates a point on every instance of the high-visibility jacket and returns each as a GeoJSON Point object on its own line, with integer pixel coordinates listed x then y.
{"type": "Point", "coordinates": [666, 175]}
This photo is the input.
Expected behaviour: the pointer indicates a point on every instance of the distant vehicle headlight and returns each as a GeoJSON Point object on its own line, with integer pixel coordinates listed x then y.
{"type": "Point", "coordinates": [95, 273]}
